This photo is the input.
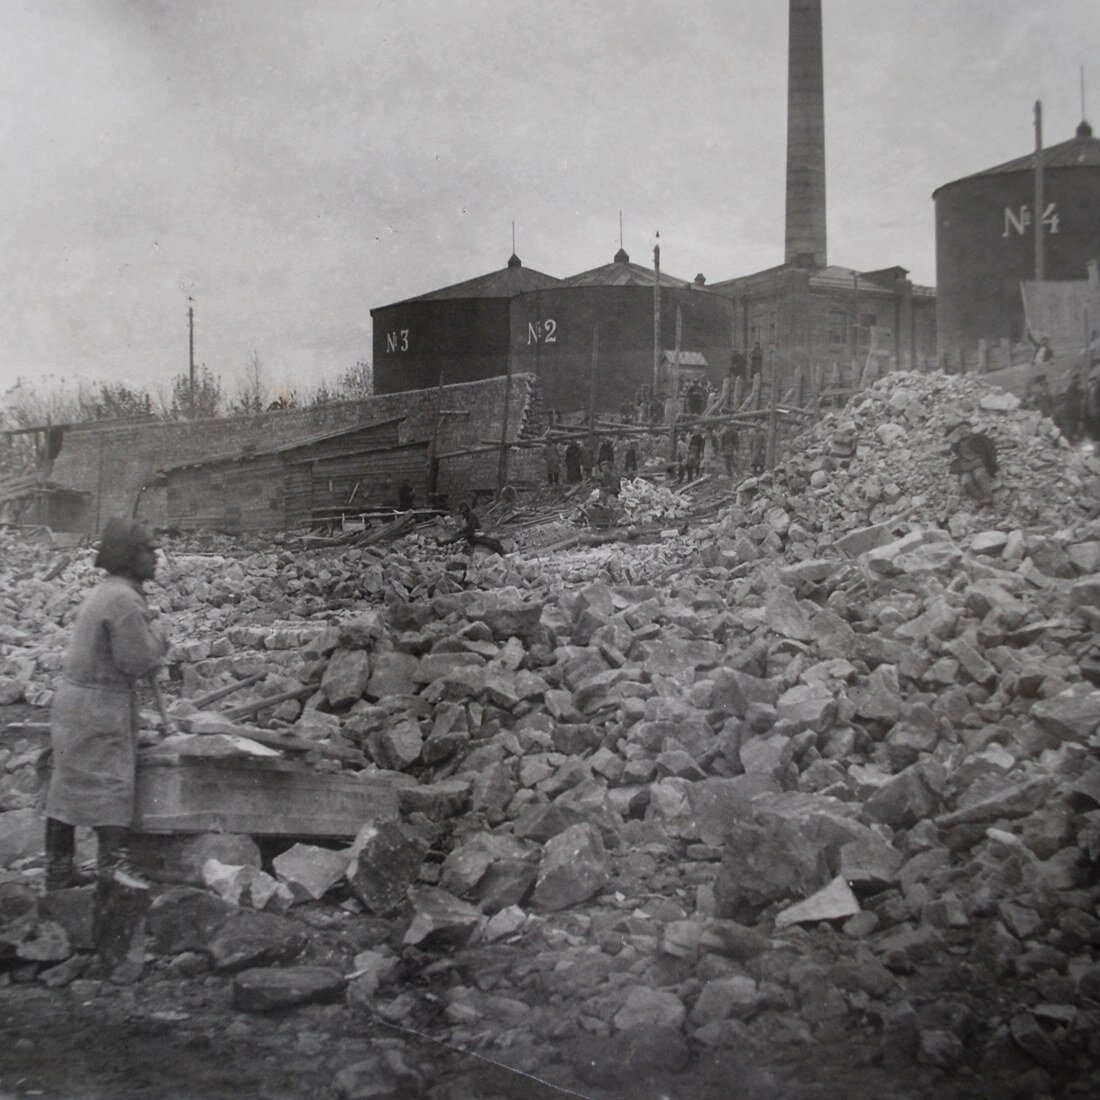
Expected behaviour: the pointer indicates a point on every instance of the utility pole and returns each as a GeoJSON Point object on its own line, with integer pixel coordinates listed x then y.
{"type": "Point", "coordinates": [592, 394]}
{"type": "Point", "coordinates": [191, 351]}
{"type": "Point", "coordinates": [1040, 266]}
{"type": "Point", "coordinates": [657, 316]}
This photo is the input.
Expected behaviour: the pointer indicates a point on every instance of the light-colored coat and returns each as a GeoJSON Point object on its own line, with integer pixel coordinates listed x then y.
{"type": "Point", "coordinates": [93, 727]}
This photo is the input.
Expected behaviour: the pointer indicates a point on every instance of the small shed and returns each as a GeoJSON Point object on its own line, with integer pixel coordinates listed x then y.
{"type": "Point", "coordinates": [295, 484]}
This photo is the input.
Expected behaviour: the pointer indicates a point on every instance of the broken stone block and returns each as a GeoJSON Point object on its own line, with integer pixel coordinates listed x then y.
{"type": "Point", "coordinates": [436, 801]}
{"type": "Point", "coordinates": [832, 902]}
{"type": "Point", "coordinates": [439, 918]}
{"type": "Point", "coordinates": [392, 673]}
{"type": "Point", "coordinates": [74, 910]}
{"type": "Point", "coordinates": [735, 691]}
{"type": "Point", "coordinates": [542, 821]}
{"type": "Point", "coordinates": [396, 747]}
{"type": "Point", "coordinates": [309, 871]}
{"type": "Point", "coordinates": [346, 677]}
{"type": "Point", "coordinates": [246, 886]}
{"type": "Point", "coordinates": [573, 868]}
{"type": "Point", "coordinates": [761, 866]}
{"type": "Point", "coordinates": [1072, 715]}
{"type": "Point", "coordinates": [386, 862]}
{"type": "Point", "coordinates": [21, 835]}
{"type": "Point", "coordinates": [29, 939]}
{"type": "Point", "coordinates": [1017, 800]}
{"type": "Point", "coordinates": [264, 989]}
{"type": "Point", "coordinates": [902, 801]}
{"type": "Point", "coordinates": [369, 970]}
{"type": "Point", "coordinates": [185, 919]}
{"type": "Point", "coordinates": [466, 866]}
{"type": "Point", "coordinates": [507, 614]}
{"type": "Point", "coordinates": [248, 938]}
{"type": "Point", "coordinates": [645, 1007]}
{"type": "Point", "coordinates": [1030, 1037]}
{"type": "Point", "coordinates": [870, 862]}
{"type": "Point", "coordinates": [786, 617]}
{"type": "Point", "coordinates": [722, 998]}
{"type": "Point", "coordinates": [878, 697]}
{"type": "Point", "coordinates": [807, 706]}
{"type": "Point", "coordinates": [180, 858]}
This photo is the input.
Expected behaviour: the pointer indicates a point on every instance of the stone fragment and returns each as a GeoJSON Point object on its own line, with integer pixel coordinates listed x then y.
{"type": "Point", "coordinates": [346, 677]}
{"type": "Point", "coordinates": [182, 918]}
{"type": "Point", "coordinates": [902, 800]}
{"type": "Point", "coordinates": [646, 1007]}
{"type": "Point", "coordinates": [246, 886]}
{"type": "Point", "coordinates": [831, 902]}
{"type": "Point", "coordinates": [265, 989]}
{"type": "Point", "coordinates": [248, 938]}
{"type": "Point", "coordinates": [878, 697]}
{"type": "Point", "coordinates": [309, 871]}
{"type": "Point", "coordinates": [180, 858]}
{"type": "Point", "coordinates": [870, 862]}
{"type": "Point", "coordinates": [21, 835]}
{"type": "Point", "coordinates": [1016, 800]}
{"type": "Point", "coordinates": [73, 910]}
{"type": "Point", "coordinates": [396, 747]}
{"type": "Point", "coordinates": [735, 691]}
{"type": "Point", "coordinates": [761, 866]}
{"type": "Point", "coordinates": [1072, 715]}
{"type": "Point", "coordinates": [440, 919]}
{"type": "Point", "coordinates": [723, 998]}
{"type": "Point", "coordinates": [808, 706]}
{"type": "Point", "coordinates": [436, 801]}
{"type": "Point", "coordinates": [392, 673]}
{"type": "Point", "coordinates": [573, 868]}
{"type": "Point", "coordinates": [785, 615]}
{"type": "Point", "coordinates": [1029, 1036]}
{"type": "Point", "coordinates": [385, 863]}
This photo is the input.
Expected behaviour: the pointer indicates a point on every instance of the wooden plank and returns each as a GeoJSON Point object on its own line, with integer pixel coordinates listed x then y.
{"type": "Point", "coordinates": [257, 797]}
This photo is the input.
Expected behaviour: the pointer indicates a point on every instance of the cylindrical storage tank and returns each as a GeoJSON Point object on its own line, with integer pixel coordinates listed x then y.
{"type": "Point", "coordinates": [461, 331]}
{"type": "Point", "coordinates": [552, 329]}
{"type": "Point", "coordinates": [985, 239]}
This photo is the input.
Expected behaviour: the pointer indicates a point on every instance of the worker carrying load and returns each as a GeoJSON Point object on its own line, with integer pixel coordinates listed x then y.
{"type": "Point", "coordinates": [471, 524]}
{"type": "Point", "coordinates": [974, 459]}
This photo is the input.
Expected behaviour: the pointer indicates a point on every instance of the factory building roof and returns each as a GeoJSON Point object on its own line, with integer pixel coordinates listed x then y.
{"type": "Point", "coordinates": [621, 272]}
{"type": "Point", "coordinates": [1081, 151]}
{"type": "Point", "coordinates": [506, 283]}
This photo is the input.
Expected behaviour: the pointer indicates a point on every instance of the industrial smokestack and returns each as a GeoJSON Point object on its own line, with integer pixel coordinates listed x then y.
{"type": "Point", "coordinates": [805, 134]}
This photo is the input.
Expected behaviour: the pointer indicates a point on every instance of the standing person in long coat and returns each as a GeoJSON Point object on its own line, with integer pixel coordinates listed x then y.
{"type": "Point", "coordinates": [572, 463]}
{"type": "Point", "coordinates": [93, 718]}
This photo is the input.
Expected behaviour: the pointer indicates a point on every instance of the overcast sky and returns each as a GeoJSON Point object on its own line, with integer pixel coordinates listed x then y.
{"type": "Point", "coordinates": [293, 164]}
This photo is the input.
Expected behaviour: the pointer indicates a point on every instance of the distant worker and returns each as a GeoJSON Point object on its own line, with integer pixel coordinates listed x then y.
{"type": "Point", "coordinates": [572, 462]}
{"type": "Point", "coordinates": [405, 497]}
{"type": "Point", "coordinates": [679, 457]}
{"type": "Point", "coordinates": [695, 455]}
{"type": "Point", "coordinates": [553, 462]}
{"type": "Point", "coordinates": [974, 459]}
{"type": "Point", "coordinates": [93, 736]}
{"type": "Point", "coordinates": [756, 359]}
{"type": "Point", "coordinates": [1044, 353]}
{"type": "Point", "coordinates": [758, 450]}
{"type": "Point", "coordinates": [471, 525]}
{"type": "Point", "coordinates": [737, 367]}
{"type": "Point", "coordinates": [630, 460]}
{"type": "Point", "coordinates": [1071, 409]}
{"type": "Point", "coordinates": [727, 446]}
{"type": "Point", "coordinates": [606, 453]}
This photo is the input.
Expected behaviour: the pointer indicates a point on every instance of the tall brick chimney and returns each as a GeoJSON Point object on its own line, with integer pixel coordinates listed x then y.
{"type": "Point", "coordinates": [805, 135]}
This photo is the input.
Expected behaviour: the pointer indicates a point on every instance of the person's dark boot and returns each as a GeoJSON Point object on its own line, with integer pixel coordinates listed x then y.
{"type": "Point", "coordinates": [114, 866]}
{"type": "Point", "coordinates": [61, 870]}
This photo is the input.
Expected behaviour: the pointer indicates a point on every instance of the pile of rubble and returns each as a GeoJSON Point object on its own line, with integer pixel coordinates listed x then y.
{"type": "Point", "coordinates": [817, 774]}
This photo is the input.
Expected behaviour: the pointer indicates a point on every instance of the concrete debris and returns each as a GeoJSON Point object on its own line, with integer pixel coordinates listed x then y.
{"type": "Point", "coordinates": [812, 769]}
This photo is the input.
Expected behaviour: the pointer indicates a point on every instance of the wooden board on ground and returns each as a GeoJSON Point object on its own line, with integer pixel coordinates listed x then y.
{"type": "Point", "coordinates": [254, 796]}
